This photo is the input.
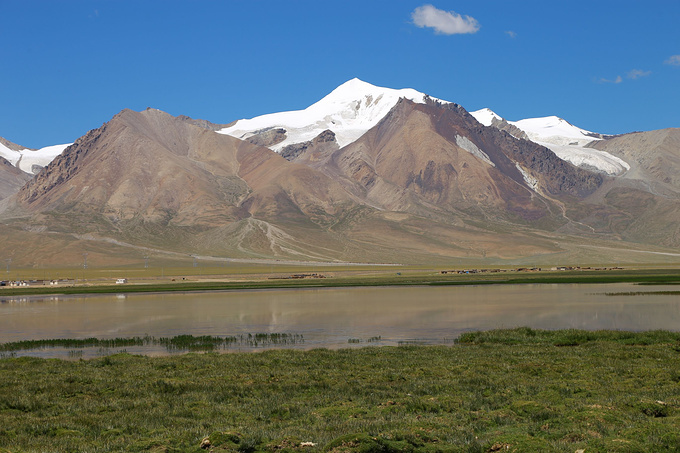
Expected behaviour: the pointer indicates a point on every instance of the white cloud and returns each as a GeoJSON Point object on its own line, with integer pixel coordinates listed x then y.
{"type": "Point", "coordinates": [637, 73]}
{"type": "Point", "coordinates": [618, 79]}
{"type": "Point", "coordinates": [444, 22]}
{"type": "Point", "coordinates": [674, 60]}
{"type": "Point", "coordinates": [511, 33]}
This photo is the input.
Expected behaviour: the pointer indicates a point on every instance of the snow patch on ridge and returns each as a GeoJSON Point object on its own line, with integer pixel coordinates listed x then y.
{"type": "Point", "coordinates": [467, 145]}
{"type": "Point", "coordinates": [9, 154]}
{"type": "Point", "coordinates": [555, 130]}
{"type": "Point", "coordinates": [25, 159]}
{"type": "Point", "coordinates": [485, 116]}
{"type": "Point", "coordinates": [349, 111]}
{"type": "Point", "coordinates": [530, 180]}
{"type": "Point", "coordinates": [41, 157]}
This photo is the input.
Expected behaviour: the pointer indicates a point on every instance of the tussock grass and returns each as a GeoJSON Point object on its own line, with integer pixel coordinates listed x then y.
{"type": "Point", "coordinates": [518, 390]}
{"type": "Point", "coordinates": [567, 337]}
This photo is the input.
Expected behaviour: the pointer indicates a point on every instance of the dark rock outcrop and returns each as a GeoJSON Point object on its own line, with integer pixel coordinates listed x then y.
{"type": "Point", "coordinates": [325, 138]}
{"type": "Point", "coordinates": [268, 137]}
{"type": "Point", "coordinates": [509, 128]}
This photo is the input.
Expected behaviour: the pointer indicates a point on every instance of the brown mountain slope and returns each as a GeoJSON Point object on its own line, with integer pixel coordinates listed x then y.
{"type": "Point", "coordinates": [11, 178]}
{"type": "Point", "coordinates": [428, 184]}
{"type": "Point", "coordinates": [433, 157]}
{"type": "Point", "coordinates": [141, 166]}
{"type": "Point", "coordinates": [643, 204]}
{"type": "Point", "coordinates": [654, 156]}
{"type": "Point", "coordinates": [148, 177]}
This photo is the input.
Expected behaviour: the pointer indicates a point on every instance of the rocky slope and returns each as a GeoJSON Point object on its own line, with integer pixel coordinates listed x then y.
{"type": "Point", "coordinates": [643, 204]}
{"type": "Point", "coordinates": [436, 157]}
{"type": "Point", "coordinates": [653, 156]}
{"type": "Point", "coordinates": [147, 177]}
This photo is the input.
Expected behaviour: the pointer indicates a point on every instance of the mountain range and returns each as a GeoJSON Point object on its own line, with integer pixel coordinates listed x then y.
{"type": "Point", "coordinates": [367, 174]}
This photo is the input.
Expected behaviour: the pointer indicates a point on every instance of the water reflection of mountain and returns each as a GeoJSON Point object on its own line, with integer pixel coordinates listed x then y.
{"type": "Point", "coordinates": [331, 317]}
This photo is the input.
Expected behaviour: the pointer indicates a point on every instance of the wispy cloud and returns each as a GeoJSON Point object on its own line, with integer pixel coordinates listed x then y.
{"type": "Point", "coordinates": [511, 33]}
{"type": "Point", "coordinates": [444, 22]}
{"type": "Point", "coordinates": [637, 73]}
{"type": "Point", "coordinates": [674, 60]}
{"type": "Point", "coordinates": [633, 74]}
{"type": "Point", "coordinates": [618, 79]}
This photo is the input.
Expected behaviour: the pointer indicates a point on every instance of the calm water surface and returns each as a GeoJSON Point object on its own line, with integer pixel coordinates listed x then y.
{"type": "Point", "coordinates": [331, 317]}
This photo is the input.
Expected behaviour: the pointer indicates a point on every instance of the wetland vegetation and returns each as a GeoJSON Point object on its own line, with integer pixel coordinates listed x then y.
{"type": "Point", "coordinates": [178, 343]}
{"type": "Point", "coordinates": [501, 390]}
{"type": "Point", "coordinates": [507, 390]}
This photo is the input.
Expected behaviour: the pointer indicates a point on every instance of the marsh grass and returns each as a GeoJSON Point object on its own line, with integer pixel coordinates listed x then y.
{"type": "Point", "coordinates": [179, 343]}
{"type": "Point", "coordinates": [508, 390]}
{"type": "Point", "coordinates": [568, 337]}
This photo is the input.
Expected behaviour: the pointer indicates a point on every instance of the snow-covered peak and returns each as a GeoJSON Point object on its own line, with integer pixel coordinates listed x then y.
{"type": "Point", "coordinates": [25, 159]}
{"type": "Point", "coordinates": [355, 89]}
{"type": "Point", "coordinates": [349, 111]}
{"type": "Point", "coordinates": [356, 106]}
{"type": "Point", "coordinates": [485, 116]}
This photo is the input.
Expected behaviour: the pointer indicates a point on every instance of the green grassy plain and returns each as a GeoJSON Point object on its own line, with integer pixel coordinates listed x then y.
{"type": "Point", "coordinates": [265, 277]}
{"type": "Point", "coordinates": [518, 390]}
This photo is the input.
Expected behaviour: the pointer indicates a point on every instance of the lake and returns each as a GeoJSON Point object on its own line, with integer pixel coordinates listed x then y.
{"type": "Point", "coordinates": [333, 318]}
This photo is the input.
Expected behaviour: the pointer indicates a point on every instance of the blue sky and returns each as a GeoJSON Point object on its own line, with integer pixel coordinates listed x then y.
{"type": "Point", "coordinates": [69, 66]}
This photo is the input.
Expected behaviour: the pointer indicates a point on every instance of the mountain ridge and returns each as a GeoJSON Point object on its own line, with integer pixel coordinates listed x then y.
{"type": "Point", "coordinates": [426, 182]}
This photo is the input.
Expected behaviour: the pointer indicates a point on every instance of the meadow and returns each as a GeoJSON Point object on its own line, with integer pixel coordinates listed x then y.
{"type": "Point", "coordinates": [507, 390]}
{"type": "Point", "coordinates": [182, 279]}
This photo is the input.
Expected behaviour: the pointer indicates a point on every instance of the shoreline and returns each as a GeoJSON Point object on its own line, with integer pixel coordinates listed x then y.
{"type": "Point", "coordinates": [345, 280]}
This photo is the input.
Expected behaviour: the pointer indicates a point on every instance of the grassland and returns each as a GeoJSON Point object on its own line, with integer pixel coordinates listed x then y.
{"type": "Point", "coordinates": [514, 390]}
{"type": "Point", "coordinates": [266, 277]}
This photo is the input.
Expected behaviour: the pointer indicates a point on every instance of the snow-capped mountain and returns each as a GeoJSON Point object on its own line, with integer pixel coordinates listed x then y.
{"type": "Point", "coordinates": [356, 106]}
{"type": "Point", "coordinates": [29, 160]}
{"type": "Point", "coordinates": [567, 141]}
{"type": "Point", "coordinates": [376, 175]}
{"type": "Point", "coordinates": [349, 111]}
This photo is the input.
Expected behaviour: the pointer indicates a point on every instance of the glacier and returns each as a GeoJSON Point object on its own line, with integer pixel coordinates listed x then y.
{"type": "Point", "coordinates": [25, 159]}
{"type": "Point", "coordinates": [567, 141]}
